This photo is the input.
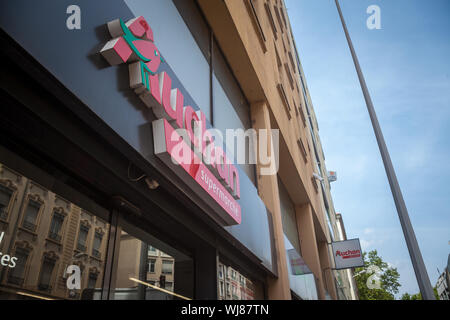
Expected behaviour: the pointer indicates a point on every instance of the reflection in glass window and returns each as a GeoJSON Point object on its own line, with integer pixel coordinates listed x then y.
{"type": "Point", "coordinates": [31, 214]}
{"type": "Point", "coordinates": [56, 226]}
{"type": "Point", "coordinates": [92, 280]}
{"type": "Point", "coordinates": [16, 274]}
{"type": "Point", "coordinates": [96, 245]}
{"type": "Point", "coordinates": [143, 276]}
{"type": "Point", "coordinates": [167, 266]}
{"type": "Point", "coordinates": [221, 293]}
{"type": "Point", "coordinates": [288, 216]}
{"type": "Point", "coordinates": [152, 251]}
{"type": "Point", "coordinates": [169, 286]}
{"type": "Point", "coordinates": [38, 262]}
{"type": "Point", "coordinates": [151, 265]}
{"type": "Point", "coordinates": [236, 286]}
{"type": "Point", "coordinates": [82, 237]}
{"type": "Point", "coordinates": [46, 274]}
{"type": "Point", "coordinates": [5, 198]}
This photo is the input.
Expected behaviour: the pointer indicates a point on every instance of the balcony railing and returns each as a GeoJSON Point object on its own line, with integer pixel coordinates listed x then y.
{"type": "Point", "coordinates": [15, 280]}
{"type": "Point", "coordinates": [54, 236]}
{"type": "Point", "coordinates": [3, 214]}
{"type": "Point", "coordinates": [44, 287]}
{"type": "Point", "coordinates": [96, 253]}
{"type": "Point", "coordinates": [29, 225]}
{"type": "Point", "coordinates": [81, 247]}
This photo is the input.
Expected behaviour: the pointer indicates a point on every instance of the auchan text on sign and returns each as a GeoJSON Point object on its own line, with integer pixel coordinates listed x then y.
{"type": "Point", "coordinates": [133, 42]}
{"type": "Point", "coordinates": [173, 144]}
{"type": "Point", "coordinates": [348, 254]}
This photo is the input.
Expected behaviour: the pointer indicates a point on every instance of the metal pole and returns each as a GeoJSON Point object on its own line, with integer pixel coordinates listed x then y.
{"type": "Point", "coordinates": [408, 231]}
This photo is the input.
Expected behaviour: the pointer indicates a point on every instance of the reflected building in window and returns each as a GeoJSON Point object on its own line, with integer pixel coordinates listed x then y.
{"type": "Point", "coordinates": [144, 272]}
{"type": "Point", "coordinates": [45, 234]}
{"type": "Point", "coordinates": [232, 285]}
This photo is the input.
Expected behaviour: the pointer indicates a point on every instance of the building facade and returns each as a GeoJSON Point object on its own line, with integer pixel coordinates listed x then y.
{"type": "Point", "coordinates": [93, 205]}
{"type": "Point", "coordinates": [443, 283]}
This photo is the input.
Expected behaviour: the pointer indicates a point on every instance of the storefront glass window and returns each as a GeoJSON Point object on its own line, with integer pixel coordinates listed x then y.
{"type": "Point", "coordinates": [301, 279]}
{"type": "Point", "coordinates": [288, 216]}
{"type": "Point", "coordinates": [39, 244]}
{"type": "Point", "coordinates": [141, 275]}
{"type": "Point", "coordinates": [236, 286]}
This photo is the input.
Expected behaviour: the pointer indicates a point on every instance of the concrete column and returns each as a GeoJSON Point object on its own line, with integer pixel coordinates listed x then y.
{"type": "Point", "coordinates": [308, 243]}
{"type": "Point", "coordinates": [278, 288]}
{"type": "Point", "coordinates": [326, 267]}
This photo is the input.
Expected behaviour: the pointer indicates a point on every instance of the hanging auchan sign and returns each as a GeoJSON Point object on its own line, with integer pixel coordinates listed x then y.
{"type": "Point", "coordinates": [194, 153]}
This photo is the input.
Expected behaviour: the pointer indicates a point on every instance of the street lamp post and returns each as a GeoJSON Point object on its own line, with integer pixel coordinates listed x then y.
{"type": "Point", "coordinates": [408, 231]}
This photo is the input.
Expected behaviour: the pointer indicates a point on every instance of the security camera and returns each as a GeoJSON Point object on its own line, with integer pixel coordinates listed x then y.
{"type": "Point", "coordinates": [315, 175]}
{"type": "Point", "coordinates": [151, 183]}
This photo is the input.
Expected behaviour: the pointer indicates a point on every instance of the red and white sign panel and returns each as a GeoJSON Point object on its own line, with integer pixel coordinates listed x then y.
{"type": "Point", "coordinates": [133, 43]}
{"type": "Point", "coordinates": [171, 146]}
{"type": "Point", "coordinates": [347, 254]}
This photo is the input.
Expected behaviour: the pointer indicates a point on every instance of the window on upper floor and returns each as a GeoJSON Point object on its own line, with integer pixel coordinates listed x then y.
{"type": "Point", "coordinates": [167, 267]}
{"type": "Point", "coordinates": [271, 19]}
{"type": "Point", "coordinates": [151, 265]}
{"type": "Point", "coordinates": [254, 8]}
{"type": "Point", "coordinates": [92, 280]}
{"type": "Point", "coordinates": [152, 251]}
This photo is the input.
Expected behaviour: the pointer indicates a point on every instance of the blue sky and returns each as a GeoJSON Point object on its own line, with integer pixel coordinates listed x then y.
{"type": "Point", "coordinates": [406, 65]}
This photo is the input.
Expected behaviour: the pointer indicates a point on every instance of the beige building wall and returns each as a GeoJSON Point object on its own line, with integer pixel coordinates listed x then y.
{"type": "Point", "coordinates": [256, 38]}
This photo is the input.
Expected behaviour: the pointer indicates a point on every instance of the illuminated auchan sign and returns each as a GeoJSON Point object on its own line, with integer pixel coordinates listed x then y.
{"type": "Point", "coordinates": [193, 152]}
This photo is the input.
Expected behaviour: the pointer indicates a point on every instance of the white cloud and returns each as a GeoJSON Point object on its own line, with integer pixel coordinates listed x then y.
{"type": "Point", "coordinates": [366, 244]}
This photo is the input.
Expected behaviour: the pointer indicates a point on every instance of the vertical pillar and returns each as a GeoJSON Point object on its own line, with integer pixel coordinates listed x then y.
{"type": "Point", "coordinates": [308, 243]}
{"type": "Point", "coordinates": [326, 267]}
{"type": "Point", "coordinates": [278, 288]}
{"type": "Point", "coordinates": [205, 272]}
